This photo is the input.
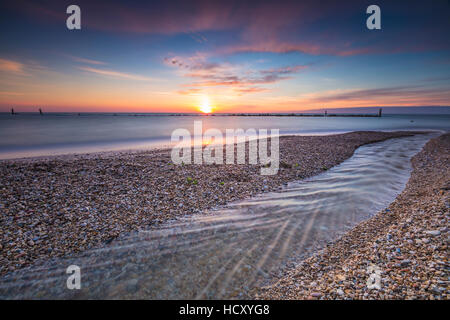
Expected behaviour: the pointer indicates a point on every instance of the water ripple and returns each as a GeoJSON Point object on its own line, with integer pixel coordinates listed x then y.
{"type": "Point", "coordinates": [224, 253]}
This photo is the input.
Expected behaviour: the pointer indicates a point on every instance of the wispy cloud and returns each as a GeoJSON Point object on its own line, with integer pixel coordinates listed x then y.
{"type": "Point", "coordinates": [436, 79]}
{"type": "Point", "coordinates": [280, 46]}
{"type": "Point", "coordinates": [189, 92]}
{"type": "Point", "coordinates": [116, 74]}
{"type": "Point", "coordinates": [11, 93]}
{"type": "Point", "coordinates": [10, 66]}
{"type": "Point", "coordinates": [87, 61]}
{"type": "Point", "coordinates": [313, 27]}
{"type": "Point", "coordinates": [210, 74]}
{"type": "Point", "coordinates": [22, 68]}
{"type": "Point", "coordinates": [197, 37]}
{"type": "Point", "coordinates": [403, 92]}
{"type": "Point", "coordinates": [241, 91]}
{"type": "Point", "coordinates": [397, 95]}
{"type": "Point", "coordinates": [210, 77]}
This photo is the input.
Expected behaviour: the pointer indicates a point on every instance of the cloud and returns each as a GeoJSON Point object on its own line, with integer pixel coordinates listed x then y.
{"type": "Point", "coordinates": [312, 27]}
{"type": "Point", "coordinates": [210, 77]}
{"type": "Point", "coordinates": [398, 95]}
{"type": "Point", "coordinates": [285, 70]}
{"type": "Point", "coordinates": [87, 61]}
{"type": "Point", "coordinates": [197, 37]}
{"type": "Point", "coordinates": [280, 46]}
{"type": "Point", "coordinates": [193, 91]}
{"type": "Point", "coordinates": [403, 92]}
{"type": "Point", "coordinates": [195, 62]}
{"type": "Point", "coordinates": [25, 68]}
{"type": "Point", "coordinates": [436, 79]}
{"type": "Point", "coordinates": [11, 93]}
{"type": "Point", "coordinates": [115, 74]}
{"type": "Point", "coordinates": [324, 27]}
{"type": "Point", "coordinates": [241, 91]}
{"type": "Point", "coordinates": [10, 66]}
{"type": "Point", "coordinates": [209, 74]}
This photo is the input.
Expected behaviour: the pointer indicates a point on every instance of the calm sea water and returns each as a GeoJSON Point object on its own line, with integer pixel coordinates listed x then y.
{"type": "Point", "coordinates": [26, 135]}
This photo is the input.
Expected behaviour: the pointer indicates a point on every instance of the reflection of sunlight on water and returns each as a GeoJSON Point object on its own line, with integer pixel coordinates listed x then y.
{"type": "Point", "coordinates": [224, 253]}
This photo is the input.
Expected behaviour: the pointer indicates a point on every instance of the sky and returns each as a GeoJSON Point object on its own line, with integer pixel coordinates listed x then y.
{"type": "Point", "coordinates": [222, 56]}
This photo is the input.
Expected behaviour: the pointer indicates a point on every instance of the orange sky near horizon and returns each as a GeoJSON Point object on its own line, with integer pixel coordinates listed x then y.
{"type": "Point", "coordinates": [274, 57]}
{"type": "Point", "coordinates": [193, 104]}
{"type": "Point", "coordinates": [28, 86]}
{"type": "Point", "coordinates": [54, 92]}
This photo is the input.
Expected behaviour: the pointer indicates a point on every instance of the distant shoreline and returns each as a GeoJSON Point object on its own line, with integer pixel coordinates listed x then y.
{"type": "Point", "coordinates": [371, 111]}
{"type": "Point", "coordinates": [138, 114]}
{"type": "Point", "coordinates": [200, 114]}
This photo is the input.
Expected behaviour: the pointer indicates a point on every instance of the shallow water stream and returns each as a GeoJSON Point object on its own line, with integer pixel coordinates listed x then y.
{"type": "Point", "coordinates": [224, 253]}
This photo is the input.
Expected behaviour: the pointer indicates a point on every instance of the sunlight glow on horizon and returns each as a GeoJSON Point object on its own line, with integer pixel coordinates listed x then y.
{"type": "Point", "coordinates": [205, 105]}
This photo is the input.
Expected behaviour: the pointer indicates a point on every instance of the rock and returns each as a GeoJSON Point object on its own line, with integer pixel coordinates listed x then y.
{"type": "Point", "coordinates": [405, 262]}
{"type": "Point", "coordinates": [132, 285]}
{"type": "Point", "coordinates": [433, 233]}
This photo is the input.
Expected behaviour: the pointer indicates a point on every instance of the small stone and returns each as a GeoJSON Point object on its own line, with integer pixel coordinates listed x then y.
{"type": "Point", "coordinates": [132, 285]}
{"type": "Point", "coordinates": [433, 232]}
{"type": "Point", "coordinates": [405, 262]}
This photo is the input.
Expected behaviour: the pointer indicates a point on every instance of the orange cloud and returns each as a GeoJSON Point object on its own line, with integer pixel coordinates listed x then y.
{"type": "Point", "coordinates": [11, 66]}
{"type": "Point", "coordinates": [207, 74]}
{"type": "Point", "coordinates": [393, 96]}
{"type": "Point", "coordinates": [250, 90]}
{"type": "Point", "coordinates": [190, 92]}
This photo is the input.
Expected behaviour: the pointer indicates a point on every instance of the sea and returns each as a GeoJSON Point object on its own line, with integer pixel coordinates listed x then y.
{"type": "Point", "coordinates": [33, 135]}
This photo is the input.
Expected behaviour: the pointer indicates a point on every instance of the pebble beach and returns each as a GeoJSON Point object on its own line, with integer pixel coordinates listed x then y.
{"type": "Point", "coordinates": [404, 246]}
{"type": "Point", "coordinates": [61, 205]}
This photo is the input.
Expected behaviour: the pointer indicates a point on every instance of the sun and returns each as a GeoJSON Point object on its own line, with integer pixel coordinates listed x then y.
{"type": "Point", "coordinates": [205, 105]}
